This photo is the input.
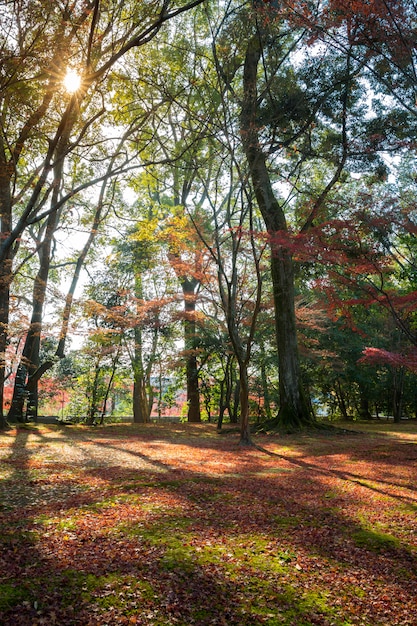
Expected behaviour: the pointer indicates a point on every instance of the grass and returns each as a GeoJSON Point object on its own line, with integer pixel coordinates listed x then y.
{"type": "Point", "coordinates": [168, 525]}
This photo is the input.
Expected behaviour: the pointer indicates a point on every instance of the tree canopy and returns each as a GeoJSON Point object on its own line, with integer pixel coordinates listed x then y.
{"type": "Point", "coordinates": [222, 203]}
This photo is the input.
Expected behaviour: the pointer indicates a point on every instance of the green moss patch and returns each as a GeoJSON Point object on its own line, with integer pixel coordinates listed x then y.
{"type": "Point", "coordinates": [374, 541]}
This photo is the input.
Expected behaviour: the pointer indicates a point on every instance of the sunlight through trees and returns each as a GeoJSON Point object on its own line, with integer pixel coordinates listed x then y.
{"type": "Point", "coordinates": [218, 196]}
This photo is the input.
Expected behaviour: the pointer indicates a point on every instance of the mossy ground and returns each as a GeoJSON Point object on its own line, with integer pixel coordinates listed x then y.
{"type": "Point", "coordinates": [175, 525]}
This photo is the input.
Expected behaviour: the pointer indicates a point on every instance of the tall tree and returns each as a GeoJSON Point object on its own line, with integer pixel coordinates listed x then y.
{"type": "Point", "coordinates": [38, 42]}
{"type": "Point", "coordinates": [283, 110]}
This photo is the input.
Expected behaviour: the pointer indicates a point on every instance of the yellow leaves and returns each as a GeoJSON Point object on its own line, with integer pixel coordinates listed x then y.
{"type": "Point", "coordinates": [178, 231]}
{"type": "Point", "coordinates": [146, 230]}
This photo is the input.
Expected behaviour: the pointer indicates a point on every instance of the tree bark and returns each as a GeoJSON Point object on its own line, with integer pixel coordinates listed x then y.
{"type": "Point", "coordinates": [141, 412]}
{"type": "Point", "coordinates": [93, 408]}
{"type": "Point", "coordinates": [143, 394]}
{"type": "Point", "coordinates": [6, 269]}
{"type": "Point", "coordinates": [193, 392]}
{"type": "Point", "coordinates": [364, 412]}
{"type": "Point", "coordinates": [265, 386]}
{"type": "Point", "coordinates": [226, 388]}
{"type": "Point", "coordinates": [30, 355]}
{"type": "Point", "coordinates": [340, 396]}
{"type": "Point", "coordinates": [295, 410]}
{"type": "Point", "coordinates": [397, 395]}
{"type": "Point", "coordinates": [141, 408]}
{"type": "Point", "coordinates": [245, 436]}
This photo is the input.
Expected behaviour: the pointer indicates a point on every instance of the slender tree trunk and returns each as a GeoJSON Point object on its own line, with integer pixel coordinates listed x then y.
{"type": "Point", "coordinates": [245, 436]}
{"type": "Point", "coordinates": [6, 269]}
{"type": "Point", "coordinates": [193, 392]}
{"type": "Point", "coordinates": [340, 396]}
{"type": "Point", "coordinates": [4, 324]}
{"type": "Point", "coordinates": [109, 386]}
{"type": "Point", "coordinates": [265, 385]}
{"type": "Point", "coordinates": [397, 396]}
{"type": "Point", "coordinates": [225, 392]}
{"type": "Point", "coordinates": [295, 410]}
{"type": "Point", "coordinates": [30, 355]}
{"type": "Point", "coordinates": [234, 413]}
{"type": "Point", "coordinates": [222, 404]}
{"type": "Point", "coordinates": [93, 408]}
{"type": "Point", "coordinates": [142, 390]}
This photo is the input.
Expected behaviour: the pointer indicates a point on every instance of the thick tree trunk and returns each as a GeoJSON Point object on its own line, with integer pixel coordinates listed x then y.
{"type": "Point", "coordinates": [363, 410]}
{"type": "Point", "coordinates": [16, 411]}
{"type": "Point", "coordinates": [141, 411]}
{"type": "Point", "coordinates": [295, 410]}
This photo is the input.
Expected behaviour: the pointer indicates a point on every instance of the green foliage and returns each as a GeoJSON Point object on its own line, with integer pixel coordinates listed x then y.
{"type": "Point", "coordinates": [334, 119]}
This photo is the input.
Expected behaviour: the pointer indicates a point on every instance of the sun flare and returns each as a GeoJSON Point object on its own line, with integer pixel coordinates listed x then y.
{"type": "Point", "coordinates": [72, 80]}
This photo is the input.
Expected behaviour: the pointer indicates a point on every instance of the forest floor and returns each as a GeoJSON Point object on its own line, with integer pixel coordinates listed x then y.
{"type": "Point", "coordinates": [176, 525]}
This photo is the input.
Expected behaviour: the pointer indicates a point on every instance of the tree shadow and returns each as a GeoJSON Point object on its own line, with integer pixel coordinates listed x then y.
{"type": "Point", "coordinates": [169, 546]}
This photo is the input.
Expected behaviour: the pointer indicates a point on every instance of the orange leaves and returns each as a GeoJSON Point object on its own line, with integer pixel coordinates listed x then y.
{"type": "Point", "coordinates": [174, 524]}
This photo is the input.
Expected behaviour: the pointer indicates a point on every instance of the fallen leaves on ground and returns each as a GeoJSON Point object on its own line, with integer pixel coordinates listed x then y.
{"type": "Point", "coordinates": [174, 524]}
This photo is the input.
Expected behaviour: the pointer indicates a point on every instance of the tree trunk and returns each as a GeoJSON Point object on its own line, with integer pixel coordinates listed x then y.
{"type": "Point", "coordinates": [363, 410]}
{"type": "Point", "coordinates": [340, 396]}
{"type": "Point", "coordinates": [141, 405]}
{"type": "Point", "coordinates": [93, 408]}
{"type": "Point", "coordinates": [397, 396]}
{"type": "Point", "coordinates": [16, 411]}
{"type": "Point", "coordinates": [109, 386]}
{"type": "Point", "coordinates": [245, 437]}
{"type": "Point", "coordinates": [141, 411]}
{"type": "Point", "coordinates": [234, 418]}
{"type": "Point", "coordinates": [4, 324]}
{"type": "Point", "coordinates": [226, 390]}
{"type": "Point", "coordinates": [295, 409]}
{"type": "Point", "coordinates": [223, 405]}
{"type": "Point", "coordinates": [193, 392]}
{"type": "Point", "coordinates": [30, 355]}
{"type": "Point", "coordinates": [6, 269]}
{"type": "Point", "coordinates": [265, 386]}
{"type": "Point", "coordinates": [142, 390]}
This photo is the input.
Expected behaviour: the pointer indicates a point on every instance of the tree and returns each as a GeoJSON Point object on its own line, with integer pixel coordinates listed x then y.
{"type": "Point", "coordinates": [276, 117]}
{"type": "Point", "coordinates": [48, 39]}
{"type": "Point", "coordinates": [137, 257]}
{"type": "Point", "coordinates": [237, 255]}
